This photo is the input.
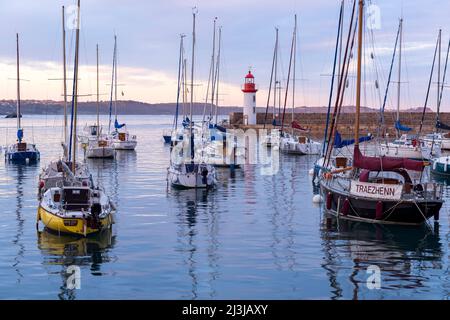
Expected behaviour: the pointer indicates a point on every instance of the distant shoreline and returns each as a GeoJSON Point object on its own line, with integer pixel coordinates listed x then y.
{"type": "Point", "coordinates": [48, 107]}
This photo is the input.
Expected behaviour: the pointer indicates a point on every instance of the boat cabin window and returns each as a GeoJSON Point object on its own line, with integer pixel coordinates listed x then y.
{"type": "Point", "coordinates": [301, 139]}
{"type": "Point", "coordinates": [56, 197]}
{"type": "Point", "coordinates": [386, 178]}
{"type": "Point", "coordinates": [22, 146]}
{"type": "Point", "coordinates": [76, 198]}
{"type": "Point", "coordinates": [94, 130]}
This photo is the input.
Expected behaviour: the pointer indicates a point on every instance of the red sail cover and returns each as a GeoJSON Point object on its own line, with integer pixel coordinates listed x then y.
{"type": "Point", "coordinates": [296, 125]}
{"type": "Point", "coordinates": [385, 163]}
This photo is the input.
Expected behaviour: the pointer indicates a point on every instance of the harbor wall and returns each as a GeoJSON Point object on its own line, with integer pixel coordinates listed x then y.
{"type": "Point", "coordinates": [369, 122]}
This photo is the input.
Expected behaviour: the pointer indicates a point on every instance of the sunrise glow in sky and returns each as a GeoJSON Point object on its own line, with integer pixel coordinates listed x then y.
{"type": "Point", "coordinates": [148, 39]}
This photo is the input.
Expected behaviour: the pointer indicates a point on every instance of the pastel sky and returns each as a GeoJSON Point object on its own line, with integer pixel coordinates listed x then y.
{"type": "Point", "coordinates": [148, 38]}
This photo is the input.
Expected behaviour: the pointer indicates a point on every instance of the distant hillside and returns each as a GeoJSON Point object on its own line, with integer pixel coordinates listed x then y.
{"type": "Point", "coordinates": [135, 107]}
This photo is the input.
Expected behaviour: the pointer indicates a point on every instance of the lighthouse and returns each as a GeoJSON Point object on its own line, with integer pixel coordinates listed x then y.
{"type": "Point", "coordinates": [249, 91]}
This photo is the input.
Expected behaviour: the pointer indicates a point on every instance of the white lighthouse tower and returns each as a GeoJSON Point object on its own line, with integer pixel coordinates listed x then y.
{"type": "Point", "coordinates": [249, 91]}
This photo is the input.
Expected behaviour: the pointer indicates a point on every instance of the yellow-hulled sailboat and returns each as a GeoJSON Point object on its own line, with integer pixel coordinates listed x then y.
{"type": "Point", "coordinates": [75, 206]}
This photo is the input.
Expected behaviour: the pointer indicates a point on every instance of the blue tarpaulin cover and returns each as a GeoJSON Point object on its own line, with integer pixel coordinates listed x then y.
{"type": "Point", "coordinates": [401, 127]}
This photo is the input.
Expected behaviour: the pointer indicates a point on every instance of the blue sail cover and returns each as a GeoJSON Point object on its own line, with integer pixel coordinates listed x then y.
{"type": "Point", "coordinates": [220, 128]}
{"type": "Point", "coordinates": [20, 134]}
{"type": "Point", "coordinates": [117, 125]}
{"type": "Point", "coordinates": [276, 123]}
{"type": "Point", "coordinates": [443, 126]}
{"type": "Point", "coordinates": [339, 143]}
{"type": "Point", "coordinates": [401, 127]}
{"type": "Point", "coordinates": [186, 122]}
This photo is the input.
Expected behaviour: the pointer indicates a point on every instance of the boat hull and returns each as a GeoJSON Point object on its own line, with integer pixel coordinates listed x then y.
{"type": "Point", "coordinates": [74, 226]}
{"type": "Point", "coordinates": [441, 166]}
{"type": "Point", "coordinates": [100, 152]}
{"type": "Point", "coordinates": [189, 180]}
{"type": "Point", "coordinates": [124, 145]}
{"type": "Point", "coordinates": [445, 144]}
{"type": "Point", "coordinates": [23, 156]}
{"type": "Point", "coordinates": [400, 152]}
{"type": "Point", "coordinates": [364, 209]}
{"type": "Point", "coordinates": [300, 148]}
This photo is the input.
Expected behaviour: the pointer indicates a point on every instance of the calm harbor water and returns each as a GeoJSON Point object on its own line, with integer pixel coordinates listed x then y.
{"type": "Point", "coordinates": [255, 237]}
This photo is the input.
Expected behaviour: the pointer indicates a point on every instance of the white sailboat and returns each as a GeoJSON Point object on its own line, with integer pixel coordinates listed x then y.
{"type": "Point", "coordinates": [273, 136]}
{"type": "Point", "coordinates": [100, 146]}
{"type": "Point", "coordinates": [438, 136]}
{"type": "Point", "coordinates": [186, 170]}
{"type": "Point", "coordinates": [293, 143]}
{"type": "Point", "coordinates": [73, 206]}
{"type": "Point", "coordinates": [121, 138]}
{"type": "Point", "coordinates": [406, 146]}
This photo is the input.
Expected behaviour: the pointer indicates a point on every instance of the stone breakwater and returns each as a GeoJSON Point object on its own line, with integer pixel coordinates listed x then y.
{"type": "Point", "coordinates": [369, 122]}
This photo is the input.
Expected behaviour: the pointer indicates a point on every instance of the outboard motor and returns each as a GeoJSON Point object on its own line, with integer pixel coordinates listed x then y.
{"type": "Point", "coordinates": [96, 210]}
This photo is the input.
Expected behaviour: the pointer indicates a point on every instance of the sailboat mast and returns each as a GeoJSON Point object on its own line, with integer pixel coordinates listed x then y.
{"type": "Point", "coordinates": [358, 74]}
{"type": "Point", "coordinates": [270, 89]}
{"type": "Point", "coordinates": [192, 83]}
{"type": "Point", "coordinates": [18, 86]}
{"type": "Point", "coordinates": [185, 98]}
{"type": "Point", "coordinates": [399, 72]}
{"type": "Point", "coordinates": [439, 71]}
{"type": "Point", "coordinates": [115, 77]}
{"type": "Point", "coordinates": [112, 85]}
{"type": "Point", "coordinates": [288, 78]}
{"type": "Point", "coordinates": [218, 74]}
{"type": "Point", "coordinates": [98, 100]}
{"type": "Point", "coordinates": [213, 78]}
{"type": "Point", "coordinates": [293, 73]}
{"type": "Point", "coordinates": [180, 75]}
{"type": "Point", "coordinates": [75, 92]}
{"type": "Point", "coordinates": [275, 74]}
{"type": "Point", "coordinates": [64, 73]}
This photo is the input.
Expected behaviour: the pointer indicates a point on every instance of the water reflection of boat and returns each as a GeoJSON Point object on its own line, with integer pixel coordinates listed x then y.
{"type": "Point", "coordinates": [65, 251]}
{"type": "Point", "coordinates": [350, 247]}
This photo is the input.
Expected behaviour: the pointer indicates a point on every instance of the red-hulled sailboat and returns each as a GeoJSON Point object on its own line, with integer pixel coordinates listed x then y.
{"type": "Point", "coordinates": [379, 189]}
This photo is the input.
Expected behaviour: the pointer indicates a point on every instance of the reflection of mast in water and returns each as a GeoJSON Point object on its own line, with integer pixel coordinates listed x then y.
{"type": "Point", "coordinates": [330, 253]}
{"type": "Point", "coordinates": [281, 199]}
{"type": "Point", "coordinates": [20, 221]}
{"type": "Point", "coordinates": [188, 219]}
{"type": "Point", "coordinates": [192, 202]}
{"type": "Point", "coordinates": [394, 249]}
{"type": "Point", "coordinates": [213, 231]}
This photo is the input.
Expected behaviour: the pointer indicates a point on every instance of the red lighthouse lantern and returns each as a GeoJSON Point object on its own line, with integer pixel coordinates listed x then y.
{"type": "Point", "coordinates": [249, 84]}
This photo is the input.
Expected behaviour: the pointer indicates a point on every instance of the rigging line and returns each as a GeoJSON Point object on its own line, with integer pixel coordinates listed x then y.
{"type": "Point", "coordinates": [214, 72]}
{"type": "Point", "coordinates": [429, 87]}
{"type": "Point", "coordinates": [271, 79]}
{"type": "Point", "coordinates": [211, 72]}
{"type": "Point", "coordinates": [288, 79]}
{"type": "Point", "coordinates": [330, 98]}
{"type": "Point", "coordinates": [342, 96]}
{"type": "Point", "coordinates": [341, 82]}
{"type": "Point", "coordinates": [175, 119]}
{"type": "Point", "coordinates": [389, 77]}
{"type": "Point", "coordinates": [112, 85]}
{"type": "Point", "coordinates": [443, 79]}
